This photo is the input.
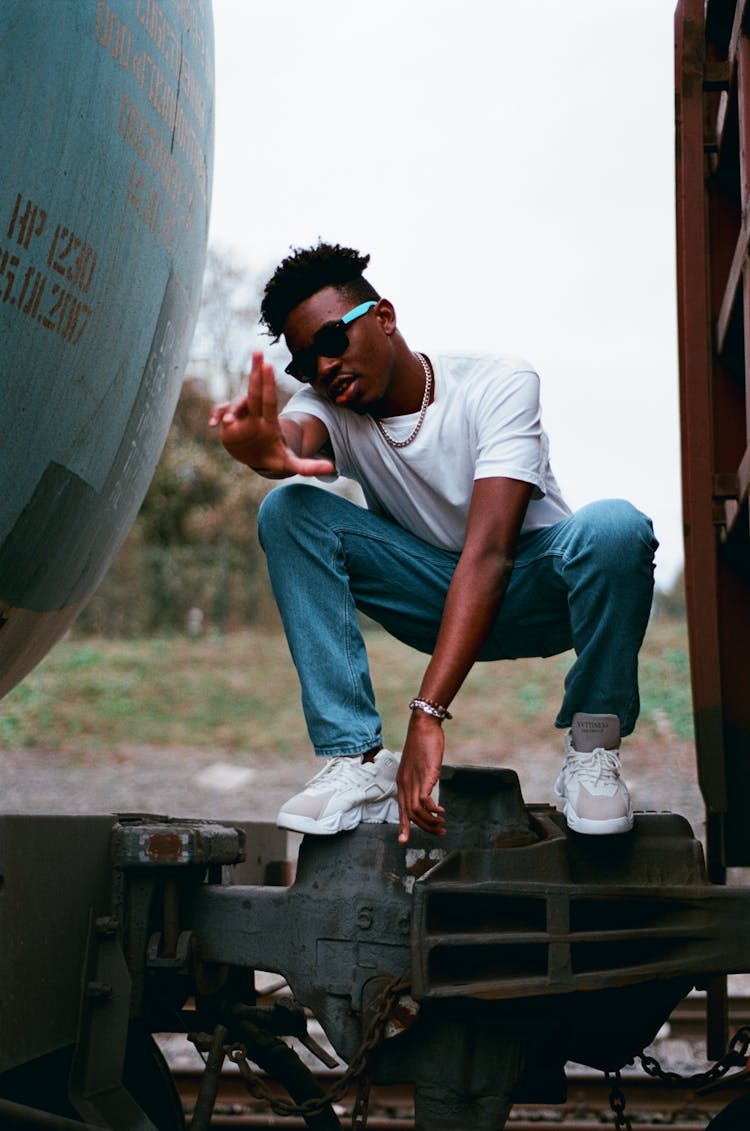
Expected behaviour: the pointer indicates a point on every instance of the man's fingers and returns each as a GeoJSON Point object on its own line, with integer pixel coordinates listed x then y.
{"type": "Point", "coordinates": [228, 412]}
{"type": "Point", "coordinates": [428, 822]}
{"type": "Point", "coordinates": [425, 813]}
{"type": "Point", "coordinates": [428, 815]}
{"type": "Point", "coordinates": [216, 414]}
{"type": "Point", "coordinates": [255, 385]}
{"type": "Point", "coordinates": [269, 402]}
{"type": "Point", "coordinates": [403, 826]}
{"type": "Point", "coordinates": [311, 466]}
{"type": "Point", "coordinates": [429, 802]}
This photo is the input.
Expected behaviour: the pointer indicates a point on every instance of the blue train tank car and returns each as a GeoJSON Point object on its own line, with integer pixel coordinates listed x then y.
{"type": "Point", "coordinates": [107, 146]}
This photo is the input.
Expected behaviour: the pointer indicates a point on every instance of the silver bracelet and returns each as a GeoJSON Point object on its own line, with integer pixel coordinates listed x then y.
{"type": "Point", "coordinates": [430, 708]}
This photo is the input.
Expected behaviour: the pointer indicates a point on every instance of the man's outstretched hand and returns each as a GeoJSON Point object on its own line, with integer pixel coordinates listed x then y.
{"type": "Point", "coordinates": [251, 432]}
{"type": "Point", "coordinates": [418, 775]}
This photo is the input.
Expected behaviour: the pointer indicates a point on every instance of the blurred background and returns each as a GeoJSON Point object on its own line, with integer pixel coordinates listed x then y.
{"type": "Point", "coordinates": [509, 168]}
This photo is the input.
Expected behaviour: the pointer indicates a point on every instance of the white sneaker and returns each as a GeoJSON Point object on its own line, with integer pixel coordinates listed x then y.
{"type": "Point", "coordinates": [596, 799]}
{"type": "Point", "coordinates": [345, 792]}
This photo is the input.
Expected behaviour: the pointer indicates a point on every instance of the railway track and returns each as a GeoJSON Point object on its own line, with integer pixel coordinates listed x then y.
{"type": "Point", "coordinates": [651, 1104]}
{"type": "Point", "coordinates": [648, 1103]}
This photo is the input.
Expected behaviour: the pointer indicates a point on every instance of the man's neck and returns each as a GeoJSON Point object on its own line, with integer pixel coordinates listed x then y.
{"type": "Point", "coordinates": [407, 388]}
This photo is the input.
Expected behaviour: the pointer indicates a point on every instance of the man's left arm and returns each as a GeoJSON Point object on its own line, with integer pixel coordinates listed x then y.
{"type": "Point", "coordinates": [496, 514]}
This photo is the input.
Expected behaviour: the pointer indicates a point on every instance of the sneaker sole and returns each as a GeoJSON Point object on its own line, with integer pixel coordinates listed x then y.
{"type": "Point", "coordinates": [585, 825]}
{"type": "Point", "coordinates": [339, 822]}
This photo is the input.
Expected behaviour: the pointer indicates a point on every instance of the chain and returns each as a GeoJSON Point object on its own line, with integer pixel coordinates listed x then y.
{"type": "Point", "coordinates": [736, 1056]}
{"type": "Point", "coordinates": [373, 1036]}
{"type": "Point", "coordinates": [617, 1100]}
{"type": "Point", "coordinates": [428, 379]}
{"type": "Point", "coordinates": [362, 1102]}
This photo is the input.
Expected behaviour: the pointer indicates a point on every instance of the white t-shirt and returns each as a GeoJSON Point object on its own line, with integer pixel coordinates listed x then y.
{"type": "Point", "coordinates": [484, 421]}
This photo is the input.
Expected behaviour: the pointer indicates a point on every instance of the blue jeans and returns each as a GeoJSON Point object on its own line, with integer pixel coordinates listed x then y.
{"type": "Point", "coordinates": [585, 583]}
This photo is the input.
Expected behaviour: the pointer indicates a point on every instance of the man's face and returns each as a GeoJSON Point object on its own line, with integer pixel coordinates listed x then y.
{"type": "Point", "coordinates": [359, 376]}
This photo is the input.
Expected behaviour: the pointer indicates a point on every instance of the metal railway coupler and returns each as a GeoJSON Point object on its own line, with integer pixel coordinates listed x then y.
{"type": "Point", "coordinates": [525, 945]}
{"type": "Point", "coordinates": [158, 865]}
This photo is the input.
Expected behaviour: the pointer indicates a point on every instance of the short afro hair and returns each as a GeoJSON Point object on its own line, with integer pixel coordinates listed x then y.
{"type": "Point", "coordinates": [305, 272]}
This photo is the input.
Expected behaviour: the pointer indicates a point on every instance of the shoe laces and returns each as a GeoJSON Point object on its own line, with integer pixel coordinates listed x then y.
{"type": "Point", "coordinates": [343, 770]}
{"type": "Point", "coordinates": [597, 767]}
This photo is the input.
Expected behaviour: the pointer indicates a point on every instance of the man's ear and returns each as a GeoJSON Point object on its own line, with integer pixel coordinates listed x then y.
{"type": "Point", "coordinates": [386, 315]}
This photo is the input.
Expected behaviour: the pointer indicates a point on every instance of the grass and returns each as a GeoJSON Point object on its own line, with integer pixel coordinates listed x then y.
{"type": "Point", "coordinates": [240, 691]}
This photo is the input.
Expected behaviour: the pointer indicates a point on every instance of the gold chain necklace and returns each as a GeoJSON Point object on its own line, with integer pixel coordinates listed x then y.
{"type": "Point", "coordinates": [422, 411]}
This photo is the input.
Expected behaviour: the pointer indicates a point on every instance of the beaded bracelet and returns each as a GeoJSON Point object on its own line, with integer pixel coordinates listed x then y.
{"type": "Point", "coordinates": [430, 708]}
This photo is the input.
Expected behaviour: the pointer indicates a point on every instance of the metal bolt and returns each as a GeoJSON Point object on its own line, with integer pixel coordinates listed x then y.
{"type": "Point", "coordinates": [107, 925]}
{"type": "Point", "coordinates": [364, 918]}
{"type": "Point", "coordinates": [99, 990]}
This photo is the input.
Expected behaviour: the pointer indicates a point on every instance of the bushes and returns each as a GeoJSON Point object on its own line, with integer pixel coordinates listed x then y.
{"type": "Point", "coordinates": [194, 545]}
{"type": "Point", "coordinates": [193, 588]}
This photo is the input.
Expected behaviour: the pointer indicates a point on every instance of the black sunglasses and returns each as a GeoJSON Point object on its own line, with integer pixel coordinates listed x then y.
{"type": "Point", "coordinates": [331, 340]}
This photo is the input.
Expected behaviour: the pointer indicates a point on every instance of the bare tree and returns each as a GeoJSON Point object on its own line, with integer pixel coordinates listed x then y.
{"type": "Point", "coordinates": [227, 328]}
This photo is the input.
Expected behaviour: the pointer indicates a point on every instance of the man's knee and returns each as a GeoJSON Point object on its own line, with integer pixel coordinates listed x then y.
{"type": "Point", "coordinates": [303, 513]}
{"type": "Point", "coordinates": [282, 506]}
{"type": "Point", "coordinates": [618, 534]}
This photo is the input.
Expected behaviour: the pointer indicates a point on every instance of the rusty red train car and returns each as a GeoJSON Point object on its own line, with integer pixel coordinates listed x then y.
{"type": "Point", "coordinates": [713, 237]}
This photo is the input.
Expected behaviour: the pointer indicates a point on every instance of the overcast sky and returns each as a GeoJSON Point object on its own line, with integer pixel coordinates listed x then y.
{"type": "Point", "coordinates": [509, 166]}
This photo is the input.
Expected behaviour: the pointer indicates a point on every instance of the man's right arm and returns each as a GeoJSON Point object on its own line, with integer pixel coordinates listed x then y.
{"type": "Point", "coordinates": [254, 434]}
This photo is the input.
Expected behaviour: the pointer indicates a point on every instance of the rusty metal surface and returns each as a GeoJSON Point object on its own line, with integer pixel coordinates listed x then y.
{"type": "Point", "coordinates": [54, 871]}
{"type": "Point", "coordinates": [559, 917]}
{"type": "Point", "coordinates": [512, 922]}
{"type": "Point", "coordinates": [713, 184]}
{"type": "Point", "coordinates": [170, 842]}
{"type": "Point", "coordinates": [626, 927]}
{"type": "Point", "coordinates": [14, 1117]}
